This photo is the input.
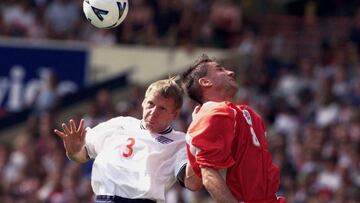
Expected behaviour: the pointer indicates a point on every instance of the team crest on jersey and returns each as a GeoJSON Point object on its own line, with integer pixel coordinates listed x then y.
{"type": "Point", "coordinates": [164, 140]}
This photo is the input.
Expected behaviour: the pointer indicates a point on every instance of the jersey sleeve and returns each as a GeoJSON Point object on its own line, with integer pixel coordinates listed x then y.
{"type": "Point", "coordinates": [180, 166]}
{"type": "Point", "coordinates": [212, 134]}
{"type": "Point", "coordinates": [192, 160]}
{"type": "Point", "coordinates": [95, 137]}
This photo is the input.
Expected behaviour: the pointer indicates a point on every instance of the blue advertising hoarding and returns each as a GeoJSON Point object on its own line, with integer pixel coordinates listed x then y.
{"type": "Point", "coordinates": [22, 69]}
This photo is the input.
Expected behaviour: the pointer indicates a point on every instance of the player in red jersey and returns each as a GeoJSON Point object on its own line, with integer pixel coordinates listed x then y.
{"type": "Point", "coordinates": [227, 145]}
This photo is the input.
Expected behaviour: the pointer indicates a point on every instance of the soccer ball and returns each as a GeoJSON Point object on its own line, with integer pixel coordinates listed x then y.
{"type": "Point", "coordinates": [105, 13]}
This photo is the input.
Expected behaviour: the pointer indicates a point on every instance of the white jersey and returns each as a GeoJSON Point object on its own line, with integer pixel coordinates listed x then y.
{"type": "Point", "coordinates": [131, 162]}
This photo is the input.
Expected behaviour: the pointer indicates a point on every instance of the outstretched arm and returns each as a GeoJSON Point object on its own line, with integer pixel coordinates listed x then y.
{"type": "Point", "coordinates": [216, 186]}
{"type": "Point", "coordinates": [74, 140]}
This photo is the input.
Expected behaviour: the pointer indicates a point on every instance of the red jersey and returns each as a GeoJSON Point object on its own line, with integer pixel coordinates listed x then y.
{"type": "Point", "coordinates": [233, 137]}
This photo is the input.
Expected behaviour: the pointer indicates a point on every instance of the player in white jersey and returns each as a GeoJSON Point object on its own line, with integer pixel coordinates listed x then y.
{"type": "Point", "coordinates": [134, 160]}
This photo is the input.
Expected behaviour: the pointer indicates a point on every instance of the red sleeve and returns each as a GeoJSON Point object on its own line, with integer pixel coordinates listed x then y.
{"type": "Point", "coordinates": [212, 133]}
{"type": "Point", "coordinates": [195, 166]}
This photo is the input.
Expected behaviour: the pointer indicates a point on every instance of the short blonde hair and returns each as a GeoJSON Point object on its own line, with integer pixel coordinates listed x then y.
{"type": "Point", "coordinates": [167, 88]}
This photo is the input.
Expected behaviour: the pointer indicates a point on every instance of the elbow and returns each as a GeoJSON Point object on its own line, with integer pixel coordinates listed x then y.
{"type": "Point", "coordinates": [193, 183]}
{"type": "Point", "coordinates": [193, 186]}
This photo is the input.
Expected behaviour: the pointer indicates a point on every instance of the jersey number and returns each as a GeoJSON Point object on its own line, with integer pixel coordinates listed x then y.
{"type": "Point", "coordinates": [129, 146]}
{"type": "Point", "coordinates": [248, 119]}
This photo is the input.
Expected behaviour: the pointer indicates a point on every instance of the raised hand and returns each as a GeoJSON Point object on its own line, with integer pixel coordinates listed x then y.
{"type": "Point", "coordinates": [73, 137]}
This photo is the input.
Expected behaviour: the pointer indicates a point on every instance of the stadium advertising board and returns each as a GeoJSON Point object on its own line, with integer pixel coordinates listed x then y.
{"type": "Point", "coordinates": [24, 69]}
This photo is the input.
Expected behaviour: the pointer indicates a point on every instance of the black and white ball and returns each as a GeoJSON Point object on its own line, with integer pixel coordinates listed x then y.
{"type": "Point", "coordinates": [105, 13]}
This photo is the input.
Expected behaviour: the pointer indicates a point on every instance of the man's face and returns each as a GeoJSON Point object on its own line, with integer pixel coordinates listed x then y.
{"type": "Point", "coordinates": [221, 79]}
{"type": "Point", "coordinates": [158, 112]}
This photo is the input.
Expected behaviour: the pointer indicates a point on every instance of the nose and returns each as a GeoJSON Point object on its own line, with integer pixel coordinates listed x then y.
{"type": "Point", "coordinates": [231, 73]}
{"type": "Point", "coordinates": [154, 111]}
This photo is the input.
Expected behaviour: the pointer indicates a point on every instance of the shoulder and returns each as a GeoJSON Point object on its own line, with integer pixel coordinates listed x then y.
{"type": "Point", "coordinates": [176, 135]}
{"type": "Point", "coordinates": [251, 115]}
{"type": "Point", "coordinates": [219, 113]}
{"type": "Point", "coordinates": [249, 110]}
{"type": "Point", "coordinates": [215, 105]}
{"type": "Point", "coordinates": [119, 122]}
{"type": "Point", "coordinates": [216, 108]}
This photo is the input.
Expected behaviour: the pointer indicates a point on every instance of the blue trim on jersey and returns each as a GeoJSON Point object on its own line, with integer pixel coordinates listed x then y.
{"type": "Point", "coordinates": [180, 177]}
{"type": "Point", "coordinates": [166, 131]}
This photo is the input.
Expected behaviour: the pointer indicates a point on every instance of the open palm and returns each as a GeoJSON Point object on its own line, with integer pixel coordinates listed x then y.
{"type": "Point", "coordinates": [73, 137]}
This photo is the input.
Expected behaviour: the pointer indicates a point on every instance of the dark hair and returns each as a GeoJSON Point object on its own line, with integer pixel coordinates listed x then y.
{"type": "Point", "coordinates": [192, 75]}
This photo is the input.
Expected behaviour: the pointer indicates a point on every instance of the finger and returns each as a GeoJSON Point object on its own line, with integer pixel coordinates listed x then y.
{"type": "Point", "coordinates": [59, 133]}
{"type": "Point", "coordinates": [72, 125]}
{"type": "Point", "coordinates": [81, 125]}
{"type": "Point", "coordinates": [82, 135]}
{"type": "Point", "coordinates": [66, 129]}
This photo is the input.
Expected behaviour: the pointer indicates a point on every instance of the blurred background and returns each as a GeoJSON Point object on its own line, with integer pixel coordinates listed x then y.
{"type": "Point", "coordinates": [297, 63]}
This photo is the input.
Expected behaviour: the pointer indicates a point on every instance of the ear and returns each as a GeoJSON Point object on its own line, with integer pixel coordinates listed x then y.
{"type": "Point", "coordinates": [176, 113]}
{"type": "Point", "coordinates": [204, 82]}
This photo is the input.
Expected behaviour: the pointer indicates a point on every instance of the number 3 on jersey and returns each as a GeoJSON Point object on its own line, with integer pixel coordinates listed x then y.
{"type": "Point", "coordinates": [129, 147]}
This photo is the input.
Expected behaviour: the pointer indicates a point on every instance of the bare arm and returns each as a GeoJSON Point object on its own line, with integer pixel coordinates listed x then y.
{"type": "Point", "coordinates": [74, 141]}
{"type": "Point", "coordinates": [216, 186]}
{"type": "Point", "coordinates": [192, 181]}
{"type": "Point", "coordinates": [80, 157]}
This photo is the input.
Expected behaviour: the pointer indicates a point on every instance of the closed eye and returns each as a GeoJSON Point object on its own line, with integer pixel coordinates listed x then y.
{"type": "Point", "coordinates": [220, 68]}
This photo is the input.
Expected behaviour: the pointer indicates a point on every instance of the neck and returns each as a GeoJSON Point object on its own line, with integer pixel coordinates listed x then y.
{"type": "Point", "coordinates": [163, 131]}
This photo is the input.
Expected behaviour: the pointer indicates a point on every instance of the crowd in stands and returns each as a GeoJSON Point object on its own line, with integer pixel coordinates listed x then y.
{"type": "Point", "coordinates": [213, 23]}
{"type": "Point", "coordinates": [300, 72]}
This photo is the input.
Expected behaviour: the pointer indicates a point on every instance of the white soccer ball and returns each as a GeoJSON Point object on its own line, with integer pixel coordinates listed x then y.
{"type": "Point", "coordinates": [105, 13]}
